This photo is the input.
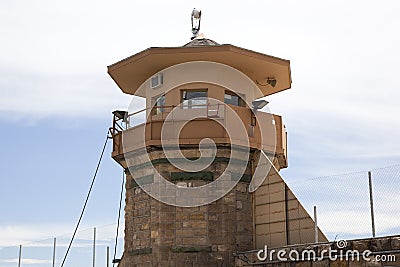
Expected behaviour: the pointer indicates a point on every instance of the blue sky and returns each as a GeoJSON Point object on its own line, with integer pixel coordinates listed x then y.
{"type": "Point", "coordinates": [56, 97]}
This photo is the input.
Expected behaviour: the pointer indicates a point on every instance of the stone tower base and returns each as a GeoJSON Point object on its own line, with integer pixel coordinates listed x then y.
{"type": "Point", "coordinates": [157, 234]}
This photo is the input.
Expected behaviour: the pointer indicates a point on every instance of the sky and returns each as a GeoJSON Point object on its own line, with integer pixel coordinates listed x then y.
{"type": "Point", "coordinates": [56, 97]}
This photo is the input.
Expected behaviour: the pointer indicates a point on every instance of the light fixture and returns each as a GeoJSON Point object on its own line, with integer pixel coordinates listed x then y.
{"type": "Point", "coordinates": [259, 104]}
{"type": "Point", "coordinates": [120, 114]}
{"type": "Point", "coordinates": [269, 81]}
{"type": "Point", "coordinates": [196, 17]}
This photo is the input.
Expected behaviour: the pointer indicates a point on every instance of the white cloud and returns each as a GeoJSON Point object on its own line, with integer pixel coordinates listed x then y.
{"type": "Point", "coordinates": [350, 224]}
{"type": "Point", "coordinates": [13, 235]}
{"type": "Point", "coordinates": [343, 105]}
{"type": "Point", "coordinates": [27, 261]}
{"type": "Point", "coordinates": [352, 56]}
{"type": "Point", "coordinates": [30, 97]}
{"type": "Point", "coordinates": [42, 235]}
{"type": "Point", "coordinates": [37, 243]}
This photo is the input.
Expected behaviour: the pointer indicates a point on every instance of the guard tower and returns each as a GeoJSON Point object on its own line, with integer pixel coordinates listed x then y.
{"type": "Point", "coordinates": [195, 92]}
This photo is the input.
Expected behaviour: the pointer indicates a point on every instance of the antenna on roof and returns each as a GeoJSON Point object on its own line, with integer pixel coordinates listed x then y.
{"type": "Point", "coordinates": [196, 17]}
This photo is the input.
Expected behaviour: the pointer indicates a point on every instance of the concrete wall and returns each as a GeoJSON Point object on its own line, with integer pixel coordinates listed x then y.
{"type": "Point", "coordinates": [280, 219]}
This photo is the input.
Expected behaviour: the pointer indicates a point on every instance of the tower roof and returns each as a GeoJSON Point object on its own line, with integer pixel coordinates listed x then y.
{"type": "Point", "coordinates": [131, 72]}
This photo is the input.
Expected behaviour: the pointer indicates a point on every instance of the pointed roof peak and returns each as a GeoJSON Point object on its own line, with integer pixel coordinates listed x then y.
{"type": "Point", "coordinates": [201, 40]}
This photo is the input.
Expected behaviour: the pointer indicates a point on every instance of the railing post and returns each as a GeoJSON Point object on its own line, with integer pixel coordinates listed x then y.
{"type": "Point", "coordinates": [371, 202]}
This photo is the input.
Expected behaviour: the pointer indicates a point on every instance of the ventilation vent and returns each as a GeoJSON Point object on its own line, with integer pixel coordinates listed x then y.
{"type": "Point", "coordinates": [156, 81]}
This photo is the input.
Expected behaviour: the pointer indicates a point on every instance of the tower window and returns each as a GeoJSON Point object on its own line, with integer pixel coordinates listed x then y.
{"type": "Point", "coordinates": [158, 104]}
{"type": "Point", "coordinates": [231, 98]}
{"type": "Point", "coordinates": [194, 98]}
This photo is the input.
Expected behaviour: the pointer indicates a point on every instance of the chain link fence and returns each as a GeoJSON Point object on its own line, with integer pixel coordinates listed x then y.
{"type": "Point", "coordinates": [92, 247]}
{"type": "Point", "coordinates": [344, 202]}
{"type": "Point", "coordinates": [343, 207]}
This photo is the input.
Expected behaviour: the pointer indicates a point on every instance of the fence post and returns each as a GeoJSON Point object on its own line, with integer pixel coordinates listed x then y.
{"type": "Point", "coordinates": [371, 202]}
{"type": "Point", "coordinates": [54, 252]}
{"type": "Point", "coordinates": [108, 256]}
{"type": "Point", "coordinates": [94, 247]}
{"type": "Point", "coordinates": [315, 225]}
{"type": "Point", "coordinates": [19, 257]}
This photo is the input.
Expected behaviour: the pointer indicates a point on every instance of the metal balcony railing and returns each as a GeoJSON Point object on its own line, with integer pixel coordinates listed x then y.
{"type": "Point", "coordinates": [146, 124]}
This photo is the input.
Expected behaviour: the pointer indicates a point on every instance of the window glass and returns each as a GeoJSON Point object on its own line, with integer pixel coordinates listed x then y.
{"type": "Point", "coordinates": [194, 98]}
{"type": "Point", "coordinates": [159, 103]}
{"type": "Point", "coordinates": [156, 80]}
{"type": "Point", "coordinates": [231, 98]}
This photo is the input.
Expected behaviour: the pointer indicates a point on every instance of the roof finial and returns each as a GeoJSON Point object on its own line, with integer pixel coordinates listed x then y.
{"type": "Point", "coordinates": [196, 17]}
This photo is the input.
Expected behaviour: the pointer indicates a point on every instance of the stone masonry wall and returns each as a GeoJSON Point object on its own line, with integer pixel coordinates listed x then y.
{"type": "Point", "coordinates": [157, 234]}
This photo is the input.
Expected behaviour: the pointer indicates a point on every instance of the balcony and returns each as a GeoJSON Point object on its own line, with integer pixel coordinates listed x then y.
{"type": "Point", "coordinates": [191, 124]}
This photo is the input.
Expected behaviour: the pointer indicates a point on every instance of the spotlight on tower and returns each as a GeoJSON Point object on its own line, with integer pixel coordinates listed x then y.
{"type": "Point", "coordinates": [269, 81]}
{"type": "Point", "coordinates": [259, 104]}
{"type": "Point", "coordinates": [120, 114]}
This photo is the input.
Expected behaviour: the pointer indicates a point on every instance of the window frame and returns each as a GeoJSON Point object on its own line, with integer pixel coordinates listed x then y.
{"type": "Point", "coordinates": [241, 98]}
{"type": "Point", "coordinates": [188, 104]}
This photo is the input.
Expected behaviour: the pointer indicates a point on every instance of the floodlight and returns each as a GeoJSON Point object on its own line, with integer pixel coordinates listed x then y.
{"type": "Point", "coordinates": [269, 81]}
{"type": "Point", "coordinates": [259, 104]}
{"type": "Point", "coordinates": [120, 114]}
